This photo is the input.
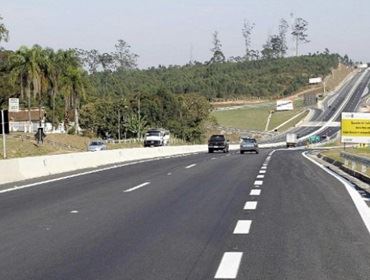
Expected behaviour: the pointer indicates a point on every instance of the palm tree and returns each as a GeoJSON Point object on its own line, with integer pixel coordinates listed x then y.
{"type": "Point", "coordinates": [73, 85]}
{"type": "Point", "coordinates": [23, 64]}
{"type": "Point", "coordinates": [56, 66]}
{"type": "Point", "coordinates": [41, 81]}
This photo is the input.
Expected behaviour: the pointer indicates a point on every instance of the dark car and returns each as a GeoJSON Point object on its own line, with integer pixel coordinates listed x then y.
{"type": "Point", "coordinates": [218, 143]}
{"type": "Point", "coordinates": [248, 145]}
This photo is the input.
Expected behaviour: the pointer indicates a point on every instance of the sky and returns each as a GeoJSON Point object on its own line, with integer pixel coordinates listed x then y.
{"type": "Point", "coordinates": [174, 31]}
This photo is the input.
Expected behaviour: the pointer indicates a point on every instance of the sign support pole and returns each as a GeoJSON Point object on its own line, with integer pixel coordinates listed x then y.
{"type": "Point", "coordinates": [3, 130]}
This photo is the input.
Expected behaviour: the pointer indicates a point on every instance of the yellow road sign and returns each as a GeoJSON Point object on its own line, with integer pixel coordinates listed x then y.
{"type": "Point", "coordinates": [355, 127]}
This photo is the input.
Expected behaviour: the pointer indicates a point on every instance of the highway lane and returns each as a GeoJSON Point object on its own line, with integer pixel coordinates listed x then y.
{"type": "Point", "coordinates": [88, 227]}
{"type": "Point", "coordinates": [306, 226]}
{"type": "Point", "coordinates": [300, 222]}
{"type": "Point", "coordinates": [328, 113]}
{"type": "Point", "coordinates": [351, 106]}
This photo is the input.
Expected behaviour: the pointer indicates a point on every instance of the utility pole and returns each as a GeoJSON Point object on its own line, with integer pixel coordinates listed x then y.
{"type": "Point", "coordinates": [3, 130]}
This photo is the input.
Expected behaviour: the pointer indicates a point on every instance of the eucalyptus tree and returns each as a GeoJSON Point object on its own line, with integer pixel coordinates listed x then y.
{"type": "Point", "coordinates": [123, 57]}
{"type": "Point", "coordinates": [247, 32]}
{"type": "Point", "coordinates": [4, 32]}
{"type": "Point", "coordinates": [299, 32]}
{"type": "Point", "coordinates": [218, 55]}
{"type": "Point", "coordinates": [283, 29]}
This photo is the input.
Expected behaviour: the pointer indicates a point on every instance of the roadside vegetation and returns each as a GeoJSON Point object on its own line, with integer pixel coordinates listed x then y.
{"type": "Point", "coordinates": [105, 95]}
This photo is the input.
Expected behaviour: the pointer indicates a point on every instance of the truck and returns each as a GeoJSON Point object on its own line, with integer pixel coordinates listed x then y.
{"type": "Point", "coordinates": [291, 140]}
{"type": "Point", "coordinates": [156, 137]}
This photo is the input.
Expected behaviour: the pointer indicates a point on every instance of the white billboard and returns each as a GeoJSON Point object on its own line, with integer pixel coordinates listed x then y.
{"type": "Point", "coordinates": [13, 104]}
{"type": "Point", "coordinates": [315, 80]}
{"type": "Point", "coordinates": [284, 105]}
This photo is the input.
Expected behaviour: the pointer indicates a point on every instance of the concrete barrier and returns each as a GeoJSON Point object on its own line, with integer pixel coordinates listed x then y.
{"type": "Point", "coordinates": [13, 170]}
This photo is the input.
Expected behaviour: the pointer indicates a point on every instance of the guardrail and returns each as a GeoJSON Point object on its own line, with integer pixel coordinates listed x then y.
{"type": "Point", "coordinates": [352, 160]}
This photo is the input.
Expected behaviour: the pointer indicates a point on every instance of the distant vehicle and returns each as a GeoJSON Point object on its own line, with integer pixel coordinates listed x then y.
{"type": "Point", "coordinates": [291, 140]}
{"type": "Point", "coordinates": [96, 145]}
{"type": "Point", "coordinates": [218, 143]}
{"type": "Point", "coordinates": [156, 137]}
{"type": "Point", "coordinates": [248, 144]}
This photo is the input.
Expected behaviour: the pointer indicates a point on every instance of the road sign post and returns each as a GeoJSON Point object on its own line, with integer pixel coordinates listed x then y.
{"type": "Point", "coordinates": [3, 132]}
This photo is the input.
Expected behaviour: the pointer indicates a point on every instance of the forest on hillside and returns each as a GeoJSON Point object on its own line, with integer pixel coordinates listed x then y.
{"type": "Point", "coordinates": [263, 78]}
{"type": "Point", "coordinates": [106, 95]}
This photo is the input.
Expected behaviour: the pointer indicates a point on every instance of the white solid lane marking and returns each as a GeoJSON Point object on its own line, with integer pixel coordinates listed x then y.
{"type": "Point", "coordinates": [262, 171]}
{"type": "Point", "coordinates": [229, 265]}
{"type": "Point", "coordinates": [190, 166]}
{"type": "Point", "coordinates": [255, 192]}
{"type": "Point", "coordinates": [250, 205]}
{"type": "Point", "coordinates": [137, 187]}
{"type": "Point", "coordinates": [360, 204]}
{"type": "Point", "coordinates": [242, 227]}
{"type": "Point", "coordinates": [258, 183]}
{"type": "Point", "coordinates": [260, 176]}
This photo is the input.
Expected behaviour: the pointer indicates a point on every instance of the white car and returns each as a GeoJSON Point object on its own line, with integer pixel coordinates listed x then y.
{"type": "Point", "coordinates": [96, 145]}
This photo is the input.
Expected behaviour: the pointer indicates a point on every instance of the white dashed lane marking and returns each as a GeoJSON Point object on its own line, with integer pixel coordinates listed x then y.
{"type": "Point", "coordinates": [262, 171]}
{"type": "Point", "coordinates": [260, 176]}
{"type": "Point", "coordinates": [137, 187]}
{"type": "Point", "coordinates": [229, 265]}
{"type": "Point", "coordinates": [255, 192]}
{"type": "Point", "coordinates": [250, 205]}
{"type": "Point", "coordinates": [264, 167]}
{"type": "Point", "coordinates": [242, 227]}
{"type": "Point", "coordinates": [190, 166]}
{"type": "Point", "coordinates": [258, 183]}
{"type": "Point", "coordinates": [74, 212]}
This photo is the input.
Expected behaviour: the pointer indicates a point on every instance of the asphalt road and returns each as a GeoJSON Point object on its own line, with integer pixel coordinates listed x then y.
{"type": "Point", "coordinates": [326, 115]}
{"type": "Point", "coordinates": [184, 218]}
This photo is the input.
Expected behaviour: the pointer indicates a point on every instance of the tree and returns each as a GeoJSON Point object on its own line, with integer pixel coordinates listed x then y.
{"type": "Point", "coordinates": [90, 59]}
{"type": "Point", "coordinates": [24, 65]}
{"type": "Point", "coordinates": [283, 29]}
{"type": "Point", "coordinates": [246, 32]}
{"type": "Point", "coordinates": [218, 55]}
{"type": "Point", "coordinates": [299, 32]}
{"type": "Point", "coordinates": [137, 124]}
{"type": "Point", "coordinates": [4, 32]}
{"type": "Point", "coordinates": [123, 58]}
{"type": "Point", "coordinates": [273, 48]}
{"type": "Point", "coordinates": [107, 62]}
{"type": "Point", "coordinates": [74, 85]}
